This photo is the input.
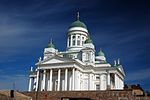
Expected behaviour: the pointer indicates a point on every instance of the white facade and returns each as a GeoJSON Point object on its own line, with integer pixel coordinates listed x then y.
{"type": "Point", "coordinates": [76, 69]}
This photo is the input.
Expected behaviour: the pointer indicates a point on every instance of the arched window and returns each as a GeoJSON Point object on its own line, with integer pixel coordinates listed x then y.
{"type": "Point", "coordinates": [78, 40]}
{"type": "Point", "coordinates": [87, 57]}
{"type": "Point", "coordinates": [73, 40]}
{"type": "Point", "coordinates": [82, 40]}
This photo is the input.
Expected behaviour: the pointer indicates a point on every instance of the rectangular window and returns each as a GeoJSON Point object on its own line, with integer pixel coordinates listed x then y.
{"type": "Point", "coordinates": [82, 38]}
{"type": "Point", "coordinates": [97, 87]}
{"type": "Point", "coordinates": [82, 42]}
{"type": "Point", "coordinates": [74, 42]}
{"type": "Point", "coordinates": [78, 42]}
{"type": "Point", "coordinates": [97, 77]}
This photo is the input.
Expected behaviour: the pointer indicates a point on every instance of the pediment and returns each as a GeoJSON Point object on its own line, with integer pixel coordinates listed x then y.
{"type": "Point", "coordinates": [56, 59]}
{"type": "Point", "coordinates": [121, 69]}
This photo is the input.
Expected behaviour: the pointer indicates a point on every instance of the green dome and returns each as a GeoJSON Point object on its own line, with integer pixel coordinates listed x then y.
{"type": "Point", "coordinates": [78, 23]}
{"type": "Point", "coordinates": [50, 45]}
{"type": "Point", "coordinates": [88, 40]}
{"type": "Point", "coordinates": [100, 53]}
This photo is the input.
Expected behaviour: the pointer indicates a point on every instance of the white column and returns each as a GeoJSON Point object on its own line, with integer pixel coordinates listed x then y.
{"type": "Point", "coordinates": [103, 81]}
{"type": "Point", "coordinates": [116, 81]}
{"type": "Point", "coordinates": [41, 81]}
{"type": "Point", "coordinates": [44, 79]}
{"type": "Point", "coordinates": [80, 40]}
{"type": "Point", "coordinates": [37, 80]}
{"type": "Point", "coordinates": [58, 86]}
{"type": "Point", "coordinates": [73, 74]}
{"type": "Point", "coordinates": [68, 42]}
{"type": "Point", "coordinates": [122, 84]}
{"type": "Point", "coordinates": [70, 80]}
{"type": "Point", "coordinates": [77, 81]}
{"type": "Point", "coordinates": [108, 80]}
{"type": "Point", "coordinates": [100, 80]}
{"type": "Point", "coordinates": [66, 78]}
{"type": "Point", "coordinates": [90, 82]}
{"type": "Point", "coordinates": [119, 83]}
{"type": "Point", "coordinates": [76, 40]}
{"type": "Point", "coordinates": [30, 84]}
{"type": "Point", "coordinates": [71, 41]}
{"type": "Point", "coordinates": [50, 79]}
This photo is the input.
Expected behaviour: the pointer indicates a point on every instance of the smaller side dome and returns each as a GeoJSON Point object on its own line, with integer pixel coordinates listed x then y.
{"type": "Point", "coordinates": [100, 53]}
{"type": "Point", "coordinates": [50, 45]}
{"type": "Point", "coordinates": [88, 40]}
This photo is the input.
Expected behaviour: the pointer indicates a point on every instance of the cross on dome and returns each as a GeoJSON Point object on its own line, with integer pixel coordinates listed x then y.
{"type": "Point", "coordinates": [78, 15]}
{"type": "Point", "coordinates": [78, 23]}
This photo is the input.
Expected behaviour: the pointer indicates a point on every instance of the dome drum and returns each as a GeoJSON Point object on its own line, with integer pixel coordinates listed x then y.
{"type": "Point", "coordinates": [78, 29]}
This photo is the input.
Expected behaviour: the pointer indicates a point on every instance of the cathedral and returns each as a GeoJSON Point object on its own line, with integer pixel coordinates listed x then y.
{"type": "Point", "coordinates": [78, 68]}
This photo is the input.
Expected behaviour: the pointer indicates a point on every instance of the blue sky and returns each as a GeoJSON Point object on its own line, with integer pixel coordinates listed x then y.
{"type": "Point", "coordinates": [120, 27]}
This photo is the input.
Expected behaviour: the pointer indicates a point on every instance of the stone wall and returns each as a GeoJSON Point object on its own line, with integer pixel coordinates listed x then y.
{"type": "Point", "coordinates": [87, 95]}
{"type": "Point", "coordinates": [4, 97]}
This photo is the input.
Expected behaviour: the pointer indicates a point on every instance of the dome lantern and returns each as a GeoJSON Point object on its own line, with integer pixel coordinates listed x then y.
{"type": "Point", "coordinates": [100, 53]}
{"type": "Point", "coordinates": [78, 23]}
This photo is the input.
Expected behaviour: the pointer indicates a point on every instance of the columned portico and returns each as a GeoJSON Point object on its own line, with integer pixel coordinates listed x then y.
{"type": "Point", "coordinates": [47, 83]}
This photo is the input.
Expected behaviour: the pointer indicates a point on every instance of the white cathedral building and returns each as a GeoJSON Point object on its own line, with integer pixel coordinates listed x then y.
{"type": "Point", "coordinates": [76, 69]}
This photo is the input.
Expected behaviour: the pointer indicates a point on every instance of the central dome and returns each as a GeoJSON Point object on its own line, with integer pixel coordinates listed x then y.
{"type": "Point", "coordinates": [78, 23]}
